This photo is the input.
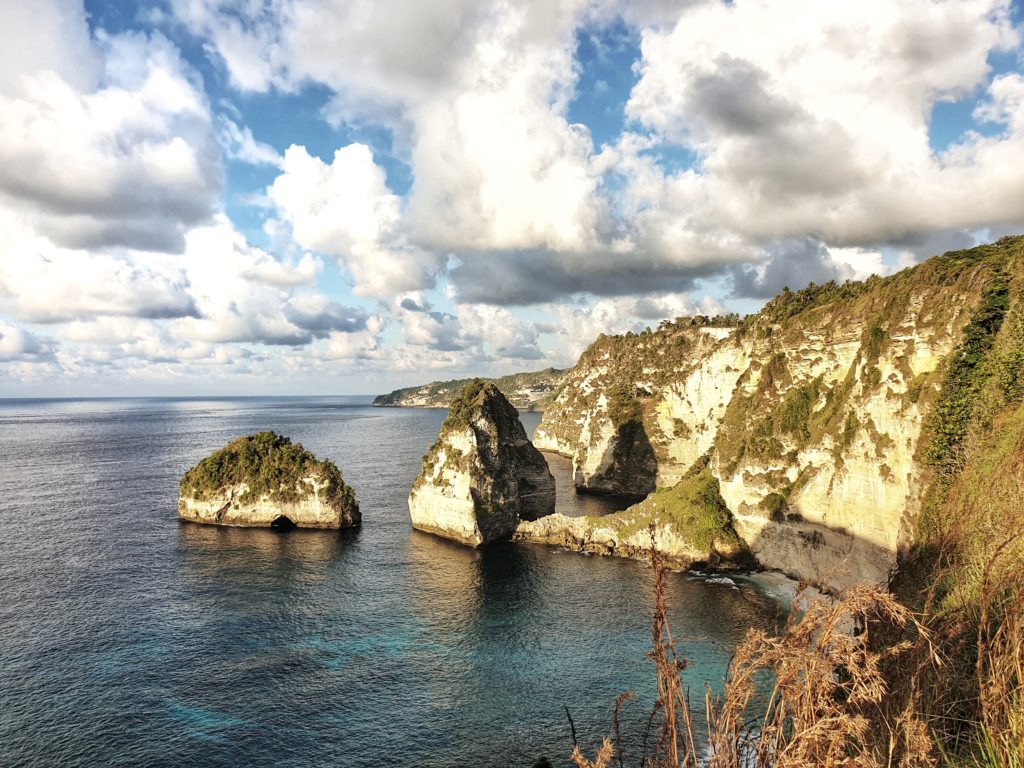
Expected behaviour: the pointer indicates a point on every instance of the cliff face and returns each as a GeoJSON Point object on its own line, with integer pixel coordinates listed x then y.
{"type": "Point", "coordinates": [265, 480]}
{"type": "Point", "coordinates": [531, 391]}
{"type": "Point", "coordinates": [483, 475]}
{"type": "Point", "coordinates": [812, 413]}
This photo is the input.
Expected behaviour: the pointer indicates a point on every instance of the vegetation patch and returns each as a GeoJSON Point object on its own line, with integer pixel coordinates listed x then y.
{"type": "Point", "coordinates": [693, 508]}
{"type": "Point", "coordinates": [969, 371]}
{"type": "Point", "coordinates": [775, 505]}
{"type": "Point", "coordinates": [271, 465]}
{"type": "Point", "coordinates": [797, 409]}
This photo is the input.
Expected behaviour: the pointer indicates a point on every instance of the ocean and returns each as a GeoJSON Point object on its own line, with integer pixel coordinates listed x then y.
{"type": "Point", "coordinates": [128, 638]}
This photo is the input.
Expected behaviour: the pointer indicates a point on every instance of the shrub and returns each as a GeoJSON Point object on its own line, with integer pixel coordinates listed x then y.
{"type": "Point", "coordinates": [271, 465]}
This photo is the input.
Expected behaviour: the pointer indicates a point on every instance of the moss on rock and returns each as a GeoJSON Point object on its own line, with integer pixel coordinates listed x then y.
{"type": "Point", "coordinates": [693, 508]}
{"type": "Point", "coordinates": [273, 468]}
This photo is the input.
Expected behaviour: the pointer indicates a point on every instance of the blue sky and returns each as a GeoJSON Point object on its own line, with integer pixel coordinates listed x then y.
{"type": "Point", "coordinates": [317, 196]}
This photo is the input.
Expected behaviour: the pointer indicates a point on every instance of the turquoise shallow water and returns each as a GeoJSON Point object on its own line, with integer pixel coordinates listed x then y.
{"type": "Point", "coordinates": [128, 638]}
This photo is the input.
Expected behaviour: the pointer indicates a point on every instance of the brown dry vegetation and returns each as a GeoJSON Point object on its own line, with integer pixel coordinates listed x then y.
{"type": "Point", "coordinates": [839, 697]}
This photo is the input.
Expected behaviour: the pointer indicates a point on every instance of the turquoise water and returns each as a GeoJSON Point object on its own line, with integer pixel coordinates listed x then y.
{"type": "Point", "coordinates": [128, 638]}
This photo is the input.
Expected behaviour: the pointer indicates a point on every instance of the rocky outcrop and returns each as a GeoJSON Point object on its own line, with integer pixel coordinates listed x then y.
{"type": "Point", "coordinates": [531, 391]}
{"type": "Point", "coordinates": [265, 480]}
{"type": "Point", "coordinates": [483, 475]}
{"type": "Point", "coordinates": [689, 525]}
{"type": "Point", "coordinates": [816, 414]}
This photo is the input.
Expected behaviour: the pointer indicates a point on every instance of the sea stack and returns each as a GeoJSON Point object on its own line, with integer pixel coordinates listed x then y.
{"type": "Point", "coordinates": [483, 474]}
{"type": "Point", "coordinates": [267, 481]}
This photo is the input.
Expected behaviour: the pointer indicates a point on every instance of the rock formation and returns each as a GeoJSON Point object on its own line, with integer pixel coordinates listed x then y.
{"type": "Point", "coordinates": [688, 523]}
{"type": "Point", "coordinates": [531, 391]}
{"type": "Point", "coordinates": [819, 416]}
{"type": "Point", "coordinates": [265, 480]}
{"type": "Point", "coordinates": [483, 475]}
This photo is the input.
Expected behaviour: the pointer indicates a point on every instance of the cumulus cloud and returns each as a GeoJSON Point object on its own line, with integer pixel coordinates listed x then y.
{"type": "Point", "coordinates": [438, 330]}
{"type": "Point", "coordinates": [755, 148]}
{"type": "Point", "coordinates": [794, 265]}
{"type": "Point", "coordinates": [479, 105]}
{"type": "Point", "coordinates": [18, 344]}
{"type": "Point", "coordinates": [243, 294]}
{"type": "Point", "coordinates": [578, 325]}
{"type": "Point", "coordinates": [530, 277]}
{"type": "Point", "coordinates": [499, 334]}
{"type": "Point", "coordinates": [46, 36]}
{"type": "Point", "coordinates": [239, 144]}
{"type": "Point", "coordinates": [821, 128]}
{"type": "Point", "coordinates": [321, 316]}
{"type": "Point", "coordinates": [126, 159]}
{"type": "Point", "coordinates": [44, 283]}
{"type": "Point", "coordinates": [345, 209]}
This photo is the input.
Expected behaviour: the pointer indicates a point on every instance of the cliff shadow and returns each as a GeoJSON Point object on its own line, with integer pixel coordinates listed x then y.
{"type": "Point", "coordinates": [573, 502]}
{"type": "Point", "coordinates": [628, 468]}
{"type": "Point", "coordinates": [833, 558]}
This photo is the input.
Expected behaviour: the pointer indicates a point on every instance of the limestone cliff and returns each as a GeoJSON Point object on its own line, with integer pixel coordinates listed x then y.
{"type": "Point", "coordinates": [483, 475]}
{"type": "Point", "coordinates": [265, 480]}
{"type": "Point", "coordinates": [531, 391]}
{"type": "Point", "coordinates": [813, 412]}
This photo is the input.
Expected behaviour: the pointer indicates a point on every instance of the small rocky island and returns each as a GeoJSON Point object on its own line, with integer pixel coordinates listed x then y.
{"type": "Point", "coordinates": [483, 475]}
{"type": "Point", "coordinates": [265, 480]}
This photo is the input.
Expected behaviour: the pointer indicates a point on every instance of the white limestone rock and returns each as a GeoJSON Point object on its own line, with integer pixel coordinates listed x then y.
{"type": "Point", "coordinates": [266, 481]}
{"type": "Point", "coordinates": [483, 475]}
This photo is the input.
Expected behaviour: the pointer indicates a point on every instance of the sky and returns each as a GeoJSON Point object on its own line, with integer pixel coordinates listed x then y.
{"type": "Point", "coordinates": [347, 196]}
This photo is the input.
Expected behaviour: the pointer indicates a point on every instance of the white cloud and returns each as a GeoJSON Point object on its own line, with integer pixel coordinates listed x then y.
{"type": "Point", "coordinates": [578, 325]}
{"type": "Point", "coordinates": [241, 292]}
{"type": "Point", "coordinates": [44, 283]}
{"type": "Point", "coordinates": [240, 144]}
{"type": "Point", "coordinates": [821, 127]}
{"type": "Point", "coordinates": [46, 36]}
{"type": "Point", "coordinates": [345, 209]}
{"type": "Point", "coordinates": [498, 331]}
{"type": "Point", "coordinates": [18, 344]}
{"type": "Point", "coordinates": [127, 161]}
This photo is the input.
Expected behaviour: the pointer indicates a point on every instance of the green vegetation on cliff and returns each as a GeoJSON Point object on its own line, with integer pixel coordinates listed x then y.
{"type": "Point", "coordinates": [693, 509]}
{"type": "Point", "coordinates": [893, 408]}
{"type": "Point", "coordinates": [475, 399]}
{"type": "Point", "coordinates": [531, 391]}
{"type": "Point", "coordinates": [271, 465]}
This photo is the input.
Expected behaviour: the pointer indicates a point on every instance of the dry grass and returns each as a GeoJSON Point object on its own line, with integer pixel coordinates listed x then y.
{"type": "Point", "coordinates": [999, 669]}
{"type": "Point", "coordinates": [828, 705]}
{"type": "Point", "coordinates": [844, 692]}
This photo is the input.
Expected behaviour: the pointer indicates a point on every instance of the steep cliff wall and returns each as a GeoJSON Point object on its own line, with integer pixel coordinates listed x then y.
{"type": "Point", "coordinates": [811, 412]}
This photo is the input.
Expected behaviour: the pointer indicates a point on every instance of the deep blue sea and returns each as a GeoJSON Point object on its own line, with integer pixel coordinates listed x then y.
{"type": "Point", "coordinates": [128, 638]}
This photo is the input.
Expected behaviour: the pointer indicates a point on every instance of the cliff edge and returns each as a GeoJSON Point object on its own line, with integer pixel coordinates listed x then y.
{"type": "Point", "coordinates": [482, 475]}
{"type": "Point", "coordinates": [266, 480]}
{"type": "Point", "coordinates": [819, 415]}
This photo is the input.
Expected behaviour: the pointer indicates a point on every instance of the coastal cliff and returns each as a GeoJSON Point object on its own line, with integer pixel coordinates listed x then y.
{"type": "Point", "coordinates": [482, 475]}
{"type": "Point", "coordinates": [265, 480]}
{"type": "Point", "coordinates": [817, 416]}
{"type": "Point", "coordinates": [531, 391]}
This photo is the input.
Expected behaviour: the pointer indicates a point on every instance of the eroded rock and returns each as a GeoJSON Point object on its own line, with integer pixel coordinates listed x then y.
{"type": "Point", "coordinates": [267, 481]}
{"type": "Point", "coordinates": [483, 475]}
